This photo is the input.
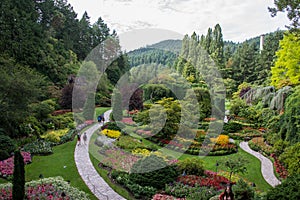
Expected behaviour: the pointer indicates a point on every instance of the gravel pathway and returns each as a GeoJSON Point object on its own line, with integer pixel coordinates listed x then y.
{"type": "Point", "coordinates": [87, 171]}
{"type": "Point", "coordinates": [266, 165]}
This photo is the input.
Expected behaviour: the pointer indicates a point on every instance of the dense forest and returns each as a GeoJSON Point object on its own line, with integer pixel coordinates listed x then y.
{"type": "Point", "coordinates": [42, 45]}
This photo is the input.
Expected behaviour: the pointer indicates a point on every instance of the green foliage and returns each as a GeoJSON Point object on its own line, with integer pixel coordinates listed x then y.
{"type": "Point", "coordinates": [140, 192]}
{"type": "Point", "coordinates": [180, 190]}
{"type": "Point", "coordinates": [292, 9]}
{"type": "Point", "coordinates": [155, 92]}
{"type": "Point", "coordinates": [243, 191]}
{"type": "Point", "coordinates": [286, 68]}
{"type": "Point", "coordinates": [89, 107]}
{"type": "Point", "coordinates": [130, 143]}
{"type": "Point", "coordinates": [290, 123]}
{"type": "Point", "coordinates": [232, 127]}
{"type": "Point", "coordinates": [18, 177]}
{"type": "Point", "coordinates": [19, 87]}
{"type": "Point", "coordinates": [152, 171]}
{"type": "Point", "coordinates": [237, 106]}
{"type": "Point", "coordinates": [288, 189]}
{"type": "Point", "coordinates": [291, 158]}
{"type": "Point", "coordinates": [151, 55]}
{"type": "Point", "coordinates": [191, 166]}
{"type": "Point", "coordinates": [111, 126]}
{"type": "Point", "coordinates": [236, 165]}
{"type": "Point", "coordinates": [279, 147]}
{"type": "Point", "coordinates": [39, 147]}
{"type": "Point", "coordinates": [43, 109]}
{"type": "Point", "coordinates": [7, 146]}
{"type": "Point", "coordinates": [117, 106]}
{"type": "Point", "coordinates": [62, 121]}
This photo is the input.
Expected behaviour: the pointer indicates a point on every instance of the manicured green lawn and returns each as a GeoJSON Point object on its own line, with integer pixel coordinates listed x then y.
{"type": "Point", "coordinates": [100, 110]}
{"type": "Point", "coordinates": [60, 163]}
{"type": "Point", "coordinates": [253, 173]}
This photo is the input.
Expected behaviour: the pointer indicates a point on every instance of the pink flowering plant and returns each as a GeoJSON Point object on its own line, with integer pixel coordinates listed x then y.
{"type": "Point", "coordinates": [47, 188]}
{"type": "Point", "coordinates": [7, 166]}
{"type": "Point", "coordinates": [120, 160]}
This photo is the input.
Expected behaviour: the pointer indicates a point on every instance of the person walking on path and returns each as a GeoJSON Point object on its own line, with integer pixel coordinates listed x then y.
{"type": "Point", "coordinates": [78, 139]}
{"type": "Point", "coordinates": [84, 138]}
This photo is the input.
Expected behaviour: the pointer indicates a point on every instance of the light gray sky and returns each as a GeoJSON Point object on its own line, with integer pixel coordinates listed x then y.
{"type": "Point", "coordinates": [239, 19]}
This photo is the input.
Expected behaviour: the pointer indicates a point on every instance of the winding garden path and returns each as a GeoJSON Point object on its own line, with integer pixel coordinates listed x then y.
{"type": "Point", "coordinates": [87, 171]}
{"type": "Point", "coordinates": [266, 165]}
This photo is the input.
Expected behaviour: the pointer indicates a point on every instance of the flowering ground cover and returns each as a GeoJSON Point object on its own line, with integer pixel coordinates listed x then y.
{"type": "Point", "coordinates": [279, 168]}
{"type": "Point", "coordinates": [165, 197]}
{"type": "Point", "coordinates": [211, 180]}
{"type": "Point", "coordinates": [7, 166]}
{"type": "Point", "coordinates": [128, 121]}
{"type": "Point", "coordinates": [119, 159]}
{"type": "Point", "coordinates": [111, 133]}
{"type": "Point", "coordinates": [48, 189]}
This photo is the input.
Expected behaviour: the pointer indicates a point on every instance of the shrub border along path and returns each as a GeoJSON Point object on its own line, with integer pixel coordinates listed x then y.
{"type": "Point", "coordinates": [87, 171]}
{"type": "Point", "coordinates": [266, 165]}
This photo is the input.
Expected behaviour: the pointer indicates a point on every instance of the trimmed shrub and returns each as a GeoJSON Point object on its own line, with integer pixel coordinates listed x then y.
{"type": "Point", "coordinates": [232, 127]}
{"type": "Point", "coordinates": [143, 172]}
{"type": "Point", "coordinates": [191, 166]}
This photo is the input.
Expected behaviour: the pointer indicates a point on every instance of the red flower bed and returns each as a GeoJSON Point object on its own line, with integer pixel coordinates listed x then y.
{"type": "Point", "coordinates": [212, 180]}
{"type": "Point", "coordinates": [171, 142]}
{"type": "Point", "coordinates": [7, 166]}
{"type": "Point", "coordinates": [280, 169]}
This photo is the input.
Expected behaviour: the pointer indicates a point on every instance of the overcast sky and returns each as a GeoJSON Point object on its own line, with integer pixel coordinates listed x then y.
{"type": "Point", "coordinates": [239, 19]}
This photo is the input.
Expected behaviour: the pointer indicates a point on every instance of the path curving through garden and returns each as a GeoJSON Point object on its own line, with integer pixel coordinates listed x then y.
{"type": "Point", "coordinates": [266, 165]}
{"type": "Point", "coordinates": [87, 171]}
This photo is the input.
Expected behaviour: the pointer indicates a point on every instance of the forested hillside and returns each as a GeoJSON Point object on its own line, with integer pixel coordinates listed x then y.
{"type": "Point", "coordinates": [42, 45]}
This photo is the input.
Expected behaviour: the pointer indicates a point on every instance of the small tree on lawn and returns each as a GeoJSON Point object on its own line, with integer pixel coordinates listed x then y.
{"type": "Point", "coordinates": [18, 176]}
{"type": "Point", "coordinates": [235, 165]}
{"type": "Point", "coordinates": [117, 105]}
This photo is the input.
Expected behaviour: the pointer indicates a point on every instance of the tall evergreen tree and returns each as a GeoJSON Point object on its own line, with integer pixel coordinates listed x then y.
{"type": "Point", "coordinates": [18, 181]}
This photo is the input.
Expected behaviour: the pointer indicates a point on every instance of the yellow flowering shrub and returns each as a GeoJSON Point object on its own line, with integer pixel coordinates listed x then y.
{"type": "Point", "coordinates": [142, 152]}
{"type": "Point", "coordinates": [111, 133]}
{"type": "Point", "coordinates": [55, 135]}
{"type": "Point", "coordinates": [221, 140]}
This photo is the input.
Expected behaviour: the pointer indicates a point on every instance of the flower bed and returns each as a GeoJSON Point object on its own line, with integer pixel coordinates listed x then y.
{"type": "Point", "coordinates": [258, 144]}
{"type": "Point", "coordinates": [39, 147]}
{"type": "Point", "coordinates": [55, 135]}
{"type": "Point", "coordinates": [165, 197]}
{"type": "Point", "coordinates": [279, 168]}
{"type": "Point", "coordinates": [212, 180]}
{"type": "Point", "coordinates": [119, 159]}
{"type": "Point", "coordinates": [128, 121]}
{"type": "Point", "coordinates": [7, 166]}
{"type": "Point", "coordinates": [111, 133]}
{"type": "Point", "coordinates": [48, 188]}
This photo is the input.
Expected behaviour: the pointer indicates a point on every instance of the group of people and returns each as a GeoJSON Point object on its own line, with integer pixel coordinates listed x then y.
{"type": "Point", "coordinates": [84, 137]}
{"type": "Point", "coordinates": [100, 119]}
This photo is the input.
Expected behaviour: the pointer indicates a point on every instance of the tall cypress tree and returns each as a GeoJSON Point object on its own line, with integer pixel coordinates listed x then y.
{"type": "Point", "coordinates": [18, 177]}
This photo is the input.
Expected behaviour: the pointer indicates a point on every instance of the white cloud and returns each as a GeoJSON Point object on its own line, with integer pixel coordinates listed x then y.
{"type": "Point", "coordinates": [239, 19]}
